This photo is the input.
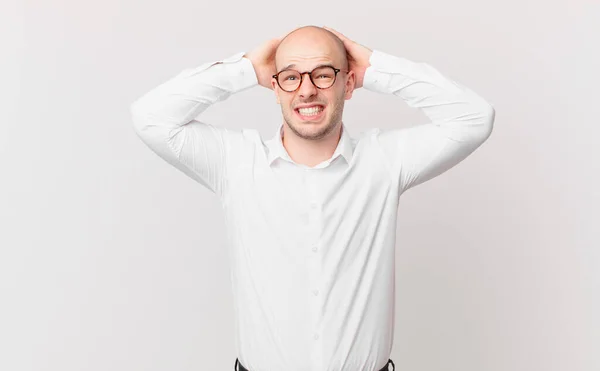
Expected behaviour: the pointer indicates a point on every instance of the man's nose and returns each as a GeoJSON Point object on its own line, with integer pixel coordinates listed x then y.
{"type": "Point", "coordinates": [307, 88]}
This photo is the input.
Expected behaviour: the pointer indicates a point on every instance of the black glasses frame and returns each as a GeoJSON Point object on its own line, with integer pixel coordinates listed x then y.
{"type": "Point", "coordinates": [336, 70]}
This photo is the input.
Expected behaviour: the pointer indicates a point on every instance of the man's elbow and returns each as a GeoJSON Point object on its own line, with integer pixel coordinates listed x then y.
{"type": "Point", "coordinates": [481, 128]}
{"type": "Point", "coordinates": [488, 121]}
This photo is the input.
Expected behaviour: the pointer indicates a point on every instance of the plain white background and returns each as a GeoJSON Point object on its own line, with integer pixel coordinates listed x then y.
{"type": "Point", "coordinates": [112, 260]}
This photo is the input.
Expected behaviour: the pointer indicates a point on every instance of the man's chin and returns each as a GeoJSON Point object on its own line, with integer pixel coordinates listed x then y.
{"type": "Point", "coordinates": [311, 130]}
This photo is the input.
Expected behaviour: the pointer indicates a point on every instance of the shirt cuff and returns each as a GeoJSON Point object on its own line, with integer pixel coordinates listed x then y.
{"type": "Point", "coordinates": [383, 67]}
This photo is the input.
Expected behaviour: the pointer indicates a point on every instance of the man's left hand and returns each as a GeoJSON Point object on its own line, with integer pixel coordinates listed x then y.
{"type": "Point", "coordinates": [359, 55]}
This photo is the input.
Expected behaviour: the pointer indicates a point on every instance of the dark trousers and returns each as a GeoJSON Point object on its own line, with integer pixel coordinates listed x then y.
{"type": "Point", "coordinates": [242, 368]}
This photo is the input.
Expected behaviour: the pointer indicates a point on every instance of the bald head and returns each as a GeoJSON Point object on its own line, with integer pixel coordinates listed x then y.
{"type": "Point", "coordinates": [311, 42]}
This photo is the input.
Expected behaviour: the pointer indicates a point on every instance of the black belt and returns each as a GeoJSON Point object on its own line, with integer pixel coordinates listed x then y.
{"type": "Point", "coordinates": [242, 368]}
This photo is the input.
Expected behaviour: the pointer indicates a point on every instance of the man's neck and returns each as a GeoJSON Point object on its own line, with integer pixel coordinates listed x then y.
{"type": "Point", "coordinates": [310, 152]}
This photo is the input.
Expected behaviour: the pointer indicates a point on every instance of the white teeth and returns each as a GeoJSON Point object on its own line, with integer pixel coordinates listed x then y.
{"type": "Point", "coordinates": [310, 111]}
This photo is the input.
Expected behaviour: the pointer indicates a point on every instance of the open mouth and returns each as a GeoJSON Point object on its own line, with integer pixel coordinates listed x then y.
{"type": "Point", "coordinates": [310, 114]}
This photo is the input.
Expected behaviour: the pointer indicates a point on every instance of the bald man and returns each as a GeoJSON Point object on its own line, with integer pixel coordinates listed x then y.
{"type": "Point", "coordinates": [312, 139]}
{"type": "Point", "coordinates": [311, 212]}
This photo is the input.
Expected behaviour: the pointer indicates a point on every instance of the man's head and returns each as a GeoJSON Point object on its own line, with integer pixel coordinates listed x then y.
{"type": "Point", "coordinates": [302, 50]}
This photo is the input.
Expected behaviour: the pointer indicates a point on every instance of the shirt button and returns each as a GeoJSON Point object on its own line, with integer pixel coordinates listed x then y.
{"type": "Point", "coordinates": [316, 336]}
{"type": "Point", "coordinates": [314, 249]}
{"type": "Point", "coordinates": [315, 292]}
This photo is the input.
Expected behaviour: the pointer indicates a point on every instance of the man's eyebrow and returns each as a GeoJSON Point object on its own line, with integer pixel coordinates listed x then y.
{"type": "Point", "coordinates": [317, 66]}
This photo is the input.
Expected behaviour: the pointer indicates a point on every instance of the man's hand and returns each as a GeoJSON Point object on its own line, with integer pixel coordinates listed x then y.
{"type": "Point", "coordinates": [263, 61]}
{"type": "Point", "coordinates": [358, 60]}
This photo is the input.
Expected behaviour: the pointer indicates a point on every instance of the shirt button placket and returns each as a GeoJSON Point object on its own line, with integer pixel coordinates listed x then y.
{"type": "Point", "coordinates": [314, 262]}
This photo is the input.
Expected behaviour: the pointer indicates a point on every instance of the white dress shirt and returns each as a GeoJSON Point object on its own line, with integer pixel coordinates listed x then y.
{"type": "Point", "coordinates": [312, 249]}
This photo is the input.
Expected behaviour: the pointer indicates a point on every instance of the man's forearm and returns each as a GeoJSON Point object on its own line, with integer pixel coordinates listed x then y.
{"type": "Point", "coordinates": [183, 97]}
{"type": "Point", "coordinates": [422, 86]}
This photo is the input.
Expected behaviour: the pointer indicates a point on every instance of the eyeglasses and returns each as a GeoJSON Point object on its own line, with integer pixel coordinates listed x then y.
{"type": "Point", "coordinates": [322, 77]}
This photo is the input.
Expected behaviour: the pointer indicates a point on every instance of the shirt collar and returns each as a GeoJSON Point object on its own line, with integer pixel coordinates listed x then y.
{"type": "Point", "coordinates": [277, 150]}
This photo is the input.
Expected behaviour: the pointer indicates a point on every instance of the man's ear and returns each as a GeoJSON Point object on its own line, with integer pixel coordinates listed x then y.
{"type": "Point", "coordinates": [350, 83]}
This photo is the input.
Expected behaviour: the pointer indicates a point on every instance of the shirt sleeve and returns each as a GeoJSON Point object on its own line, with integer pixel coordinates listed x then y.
{"type": "Point", "coordinates": [460, 120]}
{"type": "Point", "coordinates": [165, 118]}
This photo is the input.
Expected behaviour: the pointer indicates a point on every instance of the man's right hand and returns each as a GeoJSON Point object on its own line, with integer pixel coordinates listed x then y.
{"type": "Point", "coordinates": [263, 61]}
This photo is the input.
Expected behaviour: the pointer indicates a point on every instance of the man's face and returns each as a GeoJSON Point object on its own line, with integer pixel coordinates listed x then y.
{"type": "Point", "coordinates": [305, 52]}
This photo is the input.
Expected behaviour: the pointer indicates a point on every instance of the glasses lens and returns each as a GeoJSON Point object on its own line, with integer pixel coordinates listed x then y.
{"type": "Point", "coordinates": [289, 80]}
{"type": "Point", "coordinates": [323, 77]}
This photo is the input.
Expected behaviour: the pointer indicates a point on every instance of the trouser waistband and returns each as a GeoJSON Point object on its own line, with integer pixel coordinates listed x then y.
{"type": "Point", "coordinates": [242, 368]}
